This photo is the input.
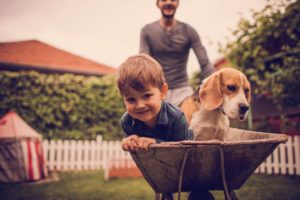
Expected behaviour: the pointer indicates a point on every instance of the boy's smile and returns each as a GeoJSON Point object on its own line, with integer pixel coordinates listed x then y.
{"type": "Point", "coordinates": [144, 105]}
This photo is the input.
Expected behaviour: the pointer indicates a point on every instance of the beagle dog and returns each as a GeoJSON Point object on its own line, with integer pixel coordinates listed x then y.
{"type": "Point", "coordinates": [223, 95]}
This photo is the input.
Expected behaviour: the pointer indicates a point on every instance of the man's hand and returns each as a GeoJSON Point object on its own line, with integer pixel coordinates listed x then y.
{"type": "Point", "coordinates": [130, 143]}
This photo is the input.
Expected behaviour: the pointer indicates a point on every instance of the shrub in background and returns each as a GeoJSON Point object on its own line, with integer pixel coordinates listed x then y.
{"type": "Point", "coordinates": [63, 106]}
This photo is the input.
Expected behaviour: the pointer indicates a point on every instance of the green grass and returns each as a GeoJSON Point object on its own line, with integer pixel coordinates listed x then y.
{"type": "Point", "coordinates": [91, 185]}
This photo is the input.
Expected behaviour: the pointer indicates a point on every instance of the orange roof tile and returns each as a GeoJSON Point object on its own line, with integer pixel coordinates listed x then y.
{"type": "Point", "coordinates": [36, 55]}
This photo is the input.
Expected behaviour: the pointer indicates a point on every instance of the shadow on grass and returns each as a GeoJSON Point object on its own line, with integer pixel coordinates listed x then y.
{"type": "Point", "coordinates": [90, 185]}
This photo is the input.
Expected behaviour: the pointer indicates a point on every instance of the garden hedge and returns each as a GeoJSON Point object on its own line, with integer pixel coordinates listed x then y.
{"type": "Point", "coordinates": [63, 106]}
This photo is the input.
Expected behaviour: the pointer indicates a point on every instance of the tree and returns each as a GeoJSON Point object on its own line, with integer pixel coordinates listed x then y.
{"type": "Point", "coordinates": [267, 50]}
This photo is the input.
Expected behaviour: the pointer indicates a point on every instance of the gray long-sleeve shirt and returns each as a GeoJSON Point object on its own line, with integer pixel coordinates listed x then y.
{"type": "Point", "coordinates": [171, 50]}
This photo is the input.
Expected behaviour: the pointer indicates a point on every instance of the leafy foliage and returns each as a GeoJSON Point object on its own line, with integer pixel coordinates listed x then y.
{"type": "Point", "coordinates": [267, 50]}
{"type": "Point", "coordinates": [63, 106]}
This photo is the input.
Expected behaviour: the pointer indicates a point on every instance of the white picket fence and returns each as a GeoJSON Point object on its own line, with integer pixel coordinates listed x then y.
{"type": "Point", "coordinates": [285, 159]}
{"type": "Point", "coordinates": [69, 155]}
{"type": "Point", "coordinates": [100, 154]}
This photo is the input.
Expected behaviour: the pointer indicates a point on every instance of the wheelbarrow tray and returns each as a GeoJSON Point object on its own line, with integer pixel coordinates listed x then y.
{"type": "Point", "coordinates": [243, 152]}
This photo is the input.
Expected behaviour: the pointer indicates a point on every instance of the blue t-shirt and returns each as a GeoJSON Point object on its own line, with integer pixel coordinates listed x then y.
{"type": "Point", "coordinates": [171, 125]}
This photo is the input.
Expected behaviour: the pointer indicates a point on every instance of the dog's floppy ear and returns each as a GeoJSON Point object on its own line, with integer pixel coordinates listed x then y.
{"type": "Point", "coordinates": [210, 93]}
{"type": "Point", "coordinates": [247, 86]}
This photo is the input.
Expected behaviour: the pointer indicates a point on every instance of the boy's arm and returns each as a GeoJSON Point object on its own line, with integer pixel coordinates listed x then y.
{"type": "Point", "coordinates": [134, 143]}
{"type": "Point", "coordinates": [130, 143]}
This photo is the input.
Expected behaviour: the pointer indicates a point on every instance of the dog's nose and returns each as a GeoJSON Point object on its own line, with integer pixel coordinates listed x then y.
{"type": "Point", "coordinates": [243, 108]}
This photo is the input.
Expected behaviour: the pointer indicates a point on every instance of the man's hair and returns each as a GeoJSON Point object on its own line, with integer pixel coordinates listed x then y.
{"type": "Point", "coordinates": [139, 72]}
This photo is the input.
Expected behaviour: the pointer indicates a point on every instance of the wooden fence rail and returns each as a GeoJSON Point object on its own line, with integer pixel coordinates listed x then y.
{"type": "Point", "coordinates": [101, 154]}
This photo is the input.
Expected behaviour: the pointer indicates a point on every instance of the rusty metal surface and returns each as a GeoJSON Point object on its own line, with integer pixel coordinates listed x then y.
{"type": "Point", "coordinates": [243, 151]}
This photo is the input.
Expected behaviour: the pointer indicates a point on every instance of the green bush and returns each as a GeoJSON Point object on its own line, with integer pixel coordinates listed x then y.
{"type": "Point", "coordinates": [267, 50]}
{"type": "Point", "coordinates": [63, 106]}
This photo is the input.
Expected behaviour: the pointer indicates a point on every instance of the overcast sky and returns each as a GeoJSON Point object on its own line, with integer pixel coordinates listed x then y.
{"type": "Point", "coordinates": [107, 31]}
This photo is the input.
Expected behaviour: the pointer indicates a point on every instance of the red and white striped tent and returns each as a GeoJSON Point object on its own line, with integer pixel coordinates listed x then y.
{"type": "Point", "coordinates": [21, 152]}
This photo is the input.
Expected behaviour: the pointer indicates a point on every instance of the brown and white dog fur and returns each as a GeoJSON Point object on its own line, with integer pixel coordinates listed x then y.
{"type": "Point", "coordinates": [222, 96]}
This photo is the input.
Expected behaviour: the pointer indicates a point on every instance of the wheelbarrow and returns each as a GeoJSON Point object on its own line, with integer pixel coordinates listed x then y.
{"type": "Point", "coordinates": [175, 167]}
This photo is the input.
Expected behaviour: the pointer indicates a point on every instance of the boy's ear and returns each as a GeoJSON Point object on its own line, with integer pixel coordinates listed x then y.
{"type": "Point", "coordinates": [164, 90]}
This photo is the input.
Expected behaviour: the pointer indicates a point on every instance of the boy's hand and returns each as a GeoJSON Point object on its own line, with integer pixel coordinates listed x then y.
{"type": "Point", "coordinates": [130, 143]}
{"type": "Point", "coordinates": [144, 142]}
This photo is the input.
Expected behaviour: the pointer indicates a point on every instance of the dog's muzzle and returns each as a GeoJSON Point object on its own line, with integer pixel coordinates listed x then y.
{"type": "Point", "coordinates": [243, 109]}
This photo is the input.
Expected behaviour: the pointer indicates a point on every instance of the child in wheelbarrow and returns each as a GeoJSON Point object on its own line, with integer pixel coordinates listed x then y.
{"type": "Point", "coordinates": [149, 119]}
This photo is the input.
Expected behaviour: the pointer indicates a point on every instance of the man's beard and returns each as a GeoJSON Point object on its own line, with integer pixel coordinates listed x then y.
{"type": "Point", "coordinates": [168, 16]}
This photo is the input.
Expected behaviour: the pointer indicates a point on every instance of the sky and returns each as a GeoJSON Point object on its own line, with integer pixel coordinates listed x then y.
{"type": "Point", "coordinates": [108, 31]}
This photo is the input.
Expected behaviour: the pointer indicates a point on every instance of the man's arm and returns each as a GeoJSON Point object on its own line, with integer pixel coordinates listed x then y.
{"type": "Point", "coordinates": [144, 45]}
{"type": "Point", "coordinates": [206, 67]}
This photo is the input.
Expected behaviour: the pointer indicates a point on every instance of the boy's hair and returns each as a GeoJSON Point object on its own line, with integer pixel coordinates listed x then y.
{"type": "Point", "coordinates": [139, 72]}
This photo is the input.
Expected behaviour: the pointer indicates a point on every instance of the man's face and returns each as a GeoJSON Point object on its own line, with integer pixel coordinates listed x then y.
{"type": "Point", "coordinates": [167, 7]}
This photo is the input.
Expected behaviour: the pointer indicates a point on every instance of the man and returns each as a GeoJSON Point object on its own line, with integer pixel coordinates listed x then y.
{"type": "Point", "coordinates": [169, 42]}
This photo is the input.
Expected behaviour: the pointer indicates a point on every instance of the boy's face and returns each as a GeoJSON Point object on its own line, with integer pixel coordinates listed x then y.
{"type": "Point", "coordinates": [145, 105]}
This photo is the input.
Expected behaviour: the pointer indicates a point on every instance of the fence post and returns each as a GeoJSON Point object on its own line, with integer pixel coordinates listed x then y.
{"type": "Point", "coordinates": [52, 150]}
{"type": "Point", "coordinates": [269, 164]}
{"type": "Point", "coordinates": [297, 153]}
{"type": "Point", "coordinates": [45, 144]}
{"type": "Point", "coordinates": [79, 155]}
{"type": "Point", "coordinates": [73, 147]}
{"type": "Point", "coordinates": [86, 151]}
{"type": "Point", "coordinates": [93, 154]}
{"type": "Point", "coordinates": [105, 162]}
{"type": "Point", "coordinates": [66, 154]}
{"type": "Point", "coordinates": [276, 161]}
{"type": "Point", "coordinates": [283, 158]}
{"type": "Point", "coordinates": [99, 148]}
{"type": "Point", "coordinates": [290, 160]}
{"type": "Point", "coordinates": [59, 154]}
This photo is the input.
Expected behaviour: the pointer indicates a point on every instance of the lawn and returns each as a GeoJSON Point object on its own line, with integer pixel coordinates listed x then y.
{"type": "Point", "coordinates": [91, 185]}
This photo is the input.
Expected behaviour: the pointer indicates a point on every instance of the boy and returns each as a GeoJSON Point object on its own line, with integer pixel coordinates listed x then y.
{"type": "Point", "coordinates": [149, 119]}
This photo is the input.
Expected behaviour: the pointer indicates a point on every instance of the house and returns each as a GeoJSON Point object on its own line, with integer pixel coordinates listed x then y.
{"type": "Point", "coordinates": [265, 108]}
{"type": "Point", "coordinates": [42, 57]}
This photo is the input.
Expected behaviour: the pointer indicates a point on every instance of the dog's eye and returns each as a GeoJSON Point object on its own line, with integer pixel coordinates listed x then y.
{"type": "Point", "coordinates": [231, 88]}
{"type": "Point", "coordinates": [246, 90]}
